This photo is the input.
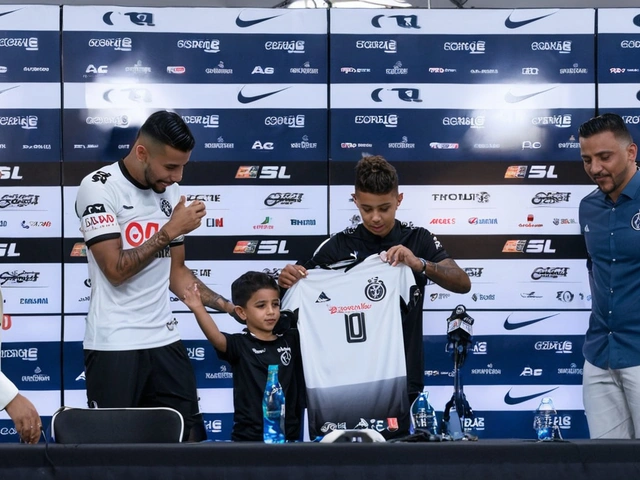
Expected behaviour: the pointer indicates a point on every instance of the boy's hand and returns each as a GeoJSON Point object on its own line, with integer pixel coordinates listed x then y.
{"type": "Point", "coordinates": [191, 296]}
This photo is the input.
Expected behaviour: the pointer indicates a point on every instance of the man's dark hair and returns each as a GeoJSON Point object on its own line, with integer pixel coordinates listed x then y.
{"type": "Point", "coordinates": [607, 122]}
{"type": "Point", "coordinates": [168, 128]}
{"type": "Point", "coordinates": [249, 283]}
{"type": "Point", "coordinates": [375, 175]}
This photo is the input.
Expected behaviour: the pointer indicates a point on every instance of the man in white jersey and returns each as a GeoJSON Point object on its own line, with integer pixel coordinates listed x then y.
{"type": "Point", "coordinates": [19, 408]}
{"type": "Point", "coordinates": [350, 326]}
{"type": "Point", "coordinates": [134, 220]}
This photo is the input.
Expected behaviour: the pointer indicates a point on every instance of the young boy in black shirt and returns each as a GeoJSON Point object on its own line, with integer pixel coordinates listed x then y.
{"type": "Point", "coordinates": [257, 302]}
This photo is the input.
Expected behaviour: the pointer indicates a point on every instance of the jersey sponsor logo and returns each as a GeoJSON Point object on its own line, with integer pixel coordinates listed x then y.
{"type": "Point", "coordinates": [514, 326]}
{"type": "Point", "coordinates": [511, 24]}
{"type": "Point", "coordinates": [136, 233]}
{"type": "Point", "coordinates": [98, 221]}
{"type": "Point", "coordinates": [94, 208]}
{"type": "Point", "coordinates": [333, 309]}
{"type": "Point", "coordinates": [511, 400]}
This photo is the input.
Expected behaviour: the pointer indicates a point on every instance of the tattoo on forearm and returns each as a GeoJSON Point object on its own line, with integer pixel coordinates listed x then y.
{"type": "Point", "coordinates": [211, 298]}
{"type": "Point", "coordinates": [133, 260]}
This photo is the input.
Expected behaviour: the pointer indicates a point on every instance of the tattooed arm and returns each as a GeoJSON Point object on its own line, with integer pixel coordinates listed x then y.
{"type": "Point", "coordinates": [183, 278]}
{"type": "Point", "coordinates": [118, 265]}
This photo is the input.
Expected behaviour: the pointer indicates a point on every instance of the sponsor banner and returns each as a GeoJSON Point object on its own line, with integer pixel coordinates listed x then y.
{"type": "Point", "coordinates": [29, 250]}
{"type": "Point", "coordinates": [298, 134]}
{"type": "Point", "coordinates": [464, 58]}
{"type": "Point", "coordinates": [559, 296]}
{"type": "Point", "coordinates": [29, 288]}
{"type": "Point", "coordinates": [399, 135]}
{"type": "Point", "coordinates": [29, 135]}
{"type": "Point", "coordinates": [514, 247]}
{"type": "Point", "coordinates": [194, 20]}
{"type": "Point", "coordinates": [29, 55]}
{"type": "Point", "coordinates": [489, 424]}
{"type": "Point", "coordinates": [194, 96]}
{"type": "Point", "coordinates": [31, 173]}
{"type": "Point", "coordinates": [218, 425]}
{"type": "Point", "coordinates": [33, 364]}
{"type": "Point", "coordinates": [420, 96]}
{"type": "Point", "coordinates": [30, 212]}
{"type": "Point", "coordinates": [495, 360]}
{"type": "Point", "coordinates": [29, 18]}
{"type": "Point", "coordinates": [476, 209]}
{"type": "Point", "coordinates": [416, 22]}
{"type": "Point", "coordinates": [492, 172]}
{"type": "Point", "coordinates": [288, 249]}
{"type": "Point", "coordinates": [510, 322]}
{"type": "Point", "coordinates": [28, 97]}
{"type": "Point", "coordinates": [619, 54]}
{"type": "Point", "coordinates": [619, 96]}
{"type": "Point", "coordinates": [618, 20]}
{"type": "Point", "coordinates": [218, 276]}
{"type": "Point", "coordinates": [194, 58]}
{"type": "Point", "coordinates": [77, 290]}
{"type": "Point", "coordinates": [520, 397]}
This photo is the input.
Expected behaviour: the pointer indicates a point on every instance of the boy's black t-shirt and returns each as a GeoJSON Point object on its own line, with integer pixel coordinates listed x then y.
{"type": "Point", "coordinates": [250, 358]}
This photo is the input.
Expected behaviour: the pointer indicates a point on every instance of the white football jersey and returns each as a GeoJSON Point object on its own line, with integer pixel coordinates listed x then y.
{"type": "Point", "coordinates": [136, 314]}
{"type": "Point", "coordinates": [352, 346]}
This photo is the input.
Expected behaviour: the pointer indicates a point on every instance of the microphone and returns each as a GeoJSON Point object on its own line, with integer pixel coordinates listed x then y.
{"type": "Point", "coordinates": [459, 327]}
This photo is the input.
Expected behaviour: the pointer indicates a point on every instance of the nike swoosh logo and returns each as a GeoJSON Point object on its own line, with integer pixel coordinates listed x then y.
{"type": "Point", "coordinates": [10, 11]}
{"type": "Point", "coordinates": [244, 99]}
{"type": "Point", "coordinates": [521, 23]}
{"type": "Point", "coordinates": [511, 98]}
{"type": "Point", "coordinates": [7, 89]}
{"type": "Point", "coordinates": [127, 207]}
{"type": "Point", "coordinates": [248, 23]}
{"type": "Point", "coordinates": [515, 326]}
{"type": "Point", "coordinates": [509, 400]}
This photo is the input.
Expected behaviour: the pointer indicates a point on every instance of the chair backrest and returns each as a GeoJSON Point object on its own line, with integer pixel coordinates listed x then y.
{"type": "Point", "coordinates": [117, 425]}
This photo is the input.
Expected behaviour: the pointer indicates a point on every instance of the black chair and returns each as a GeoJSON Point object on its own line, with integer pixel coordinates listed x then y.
{"type": "Point", "coordinates": [117, 425]}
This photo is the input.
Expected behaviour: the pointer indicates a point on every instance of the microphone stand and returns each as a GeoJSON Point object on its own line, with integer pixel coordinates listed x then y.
{"type": "Point", "coordinates": [458, 408]}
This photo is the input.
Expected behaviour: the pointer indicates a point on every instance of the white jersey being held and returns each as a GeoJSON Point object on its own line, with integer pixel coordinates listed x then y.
{"type": "Point", "coordinates": [350, 326]}
{"type": "Point", "coordinates": [135, 314]}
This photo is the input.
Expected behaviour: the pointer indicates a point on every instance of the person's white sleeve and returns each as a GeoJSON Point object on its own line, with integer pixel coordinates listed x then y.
{"type": "Point", "coordinates": [8, 391]}
{"type": "Point", "coordinates": [97, 214]}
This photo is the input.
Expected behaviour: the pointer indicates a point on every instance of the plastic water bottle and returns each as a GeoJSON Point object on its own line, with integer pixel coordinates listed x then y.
{"type": "Point", "coordinates": [545, 421]}
{"type": "Point", "coordinates": [423, 416]}
{"type": "Point", "coordinates": [273, 408]}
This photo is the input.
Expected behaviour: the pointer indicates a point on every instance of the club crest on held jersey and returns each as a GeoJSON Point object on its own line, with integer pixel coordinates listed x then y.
{"type": "Point", "coordinates": [375, 289]}
{"type": "Point", "coordinates": [635, 221]}
{"type": "Point", "coordinates": [165, 206]}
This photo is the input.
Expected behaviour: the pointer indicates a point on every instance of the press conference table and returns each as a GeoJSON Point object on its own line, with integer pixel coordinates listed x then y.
{"type": "Point", "coordinates": [484, 459]}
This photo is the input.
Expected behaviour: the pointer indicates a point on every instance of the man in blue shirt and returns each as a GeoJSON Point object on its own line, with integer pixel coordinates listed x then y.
{"type": "Point", "coordinates": [610, 223]}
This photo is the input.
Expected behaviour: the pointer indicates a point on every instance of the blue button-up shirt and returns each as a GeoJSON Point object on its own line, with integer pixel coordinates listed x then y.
{"type": "Point", "coordinates": [612, 235]}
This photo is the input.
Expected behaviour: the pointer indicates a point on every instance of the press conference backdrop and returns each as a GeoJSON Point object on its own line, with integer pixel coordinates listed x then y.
{"type": "Point", "coordinates": [478, 110]}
